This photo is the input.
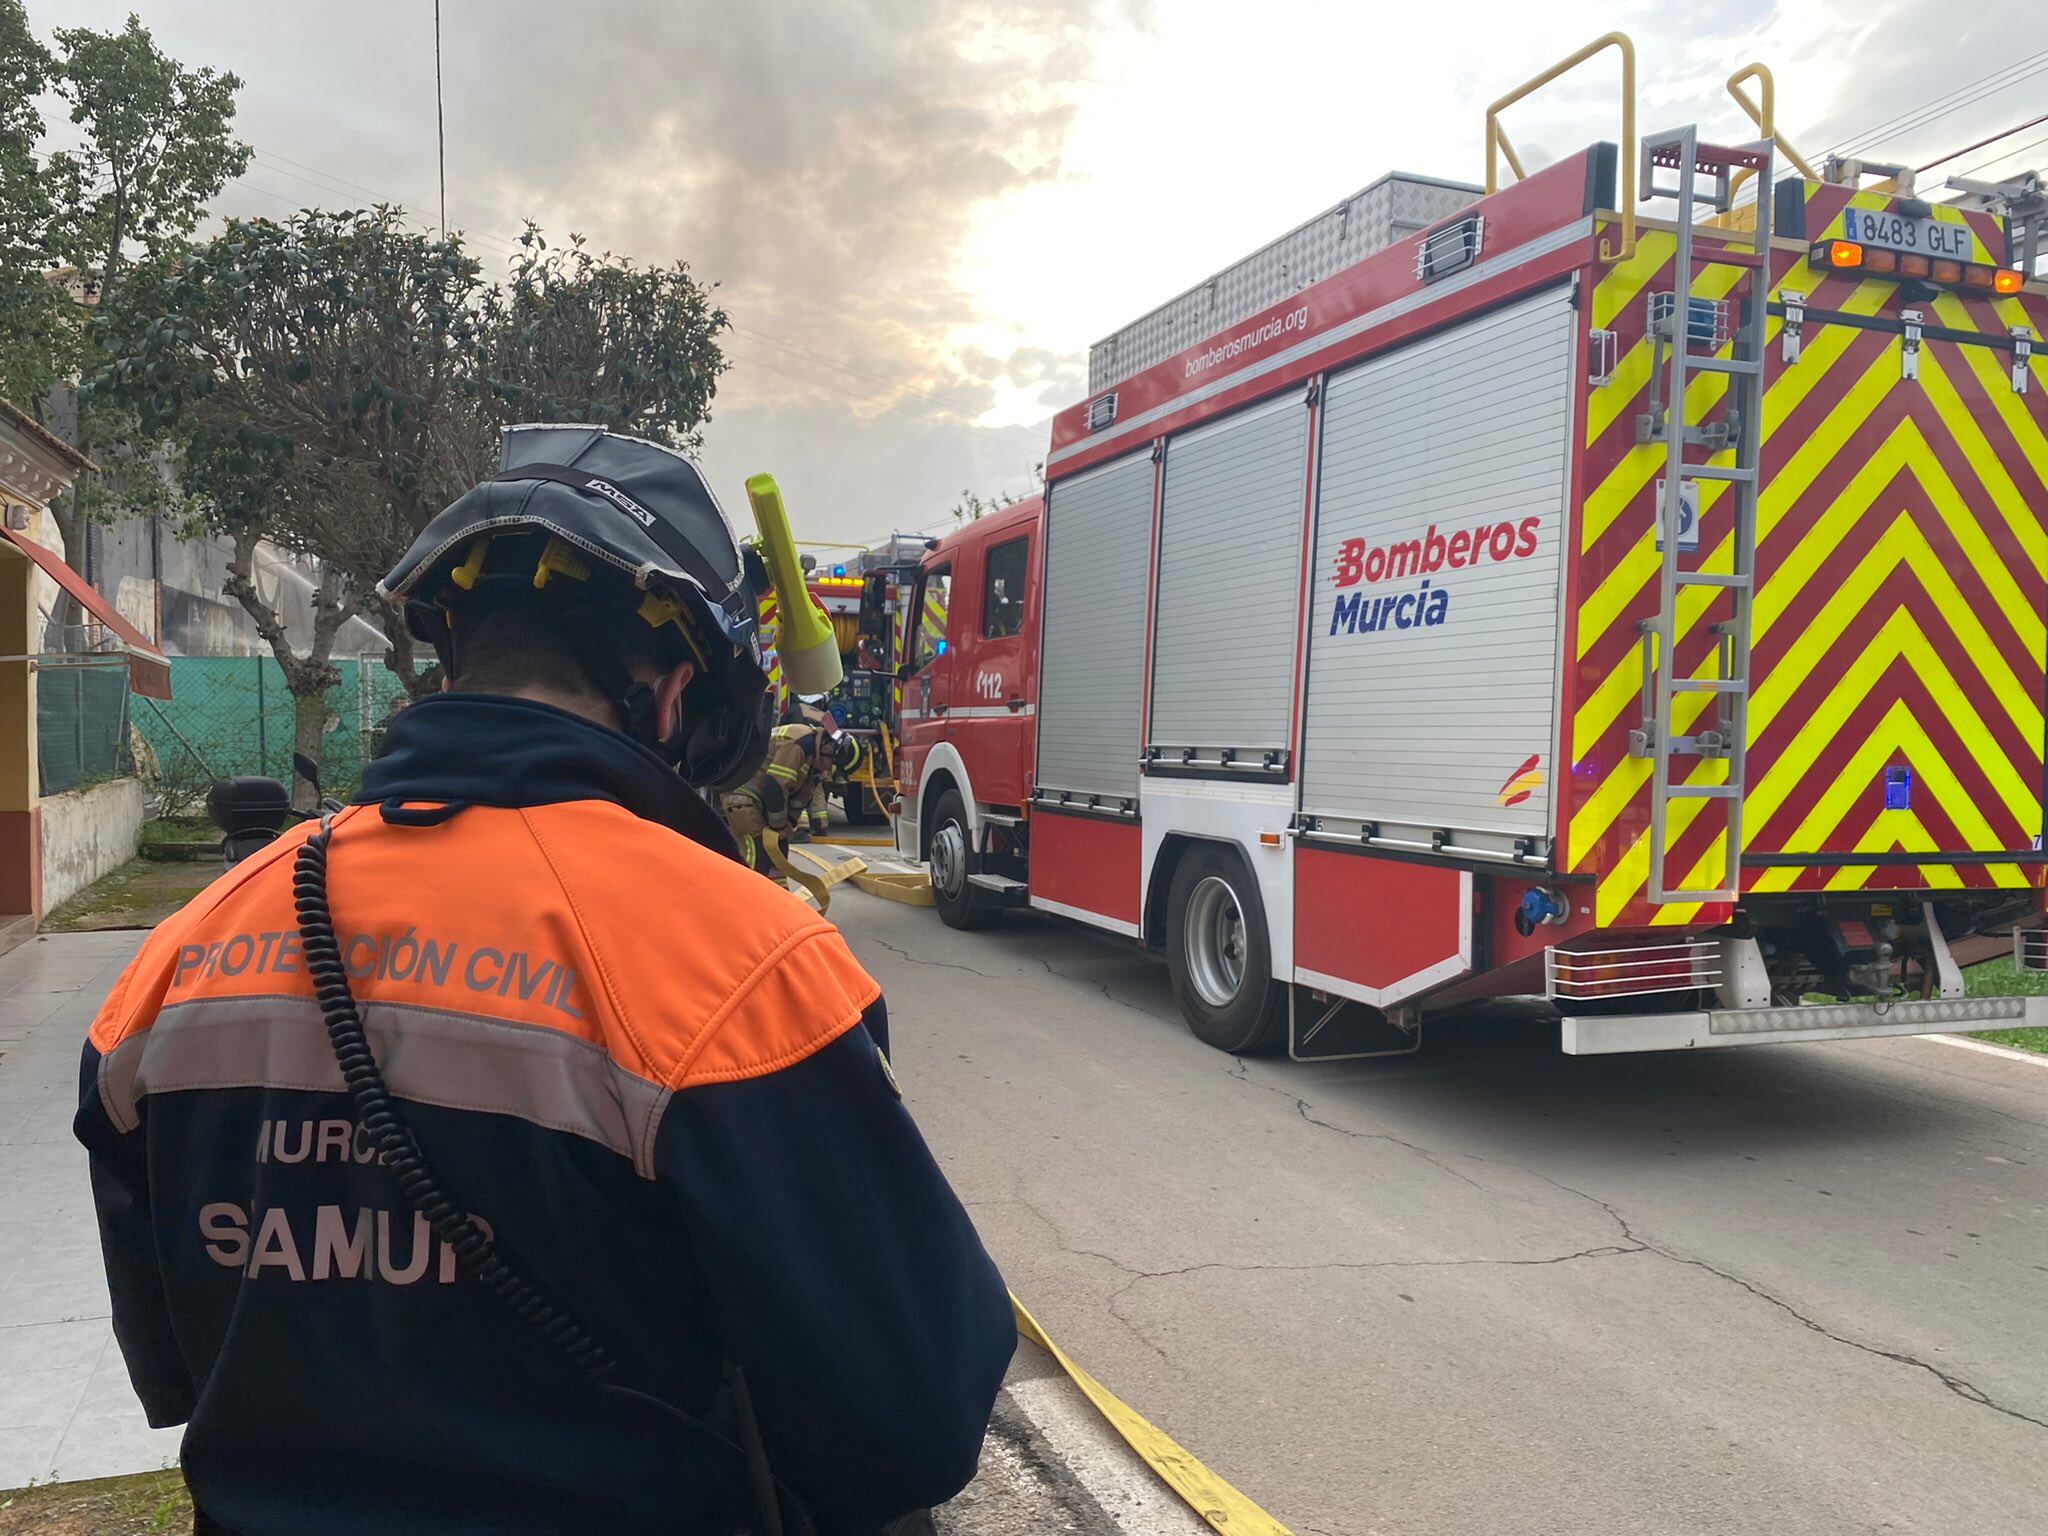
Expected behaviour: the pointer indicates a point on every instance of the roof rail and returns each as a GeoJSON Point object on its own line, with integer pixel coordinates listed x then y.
{"type": "Point", "coordinates": [1498, 147]}
{"type": "Point", "coordinates": [1764, 114]}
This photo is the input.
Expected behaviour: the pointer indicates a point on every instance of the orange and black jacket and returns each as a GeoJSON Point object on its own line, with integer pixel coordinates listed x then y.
{"type": "Point", "coordinates": [655, 1077]}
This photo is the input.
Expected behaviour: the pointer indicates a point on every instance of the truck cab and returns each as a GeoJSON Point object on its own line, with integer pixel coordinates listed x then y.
{"type": "Point", "coordinates": [970, 688]}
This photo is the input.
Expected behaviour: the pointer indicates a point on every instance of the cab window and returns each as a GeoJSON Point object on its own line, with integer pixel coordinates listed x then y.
{"type": "Point", "coordinates": [1002, 592]}
{"type": "Point", "coordinates": [930, 639]}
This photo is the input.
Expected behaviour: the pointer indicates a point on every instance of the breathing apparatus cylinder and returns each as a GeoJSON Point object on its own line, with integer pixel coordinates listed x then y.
{"type": "Point", "coordinates": [806, 646]}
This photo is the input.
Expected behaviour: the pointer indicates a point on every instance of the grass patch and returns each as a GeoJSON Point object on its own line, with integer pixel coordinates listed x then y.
{"type": "Point", "coordinates": [140, 894]}
{"type": "Point", "coordinates": [2002, 978]}
{"type": "Point", "coordinates": [143, 1505]}
{"type": "Point", "coordinates": [178, 829]}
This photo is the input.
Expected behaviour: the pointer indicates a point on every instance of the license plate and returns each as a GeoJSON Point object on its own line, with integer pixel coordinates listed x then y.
{"type": "Point", "coordinates": [1898, 232]}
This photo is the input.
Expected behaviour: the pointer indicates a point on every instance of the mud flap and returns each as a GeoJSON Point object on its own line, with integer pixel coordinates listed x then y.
{"type": "Point", "coordinates": [1322, 1027]}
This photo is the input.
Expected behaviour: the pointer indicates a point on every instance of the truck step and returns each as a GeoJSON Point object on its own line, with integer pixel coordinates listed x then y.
{"type": "Point", "coordinates": [1007, 892]}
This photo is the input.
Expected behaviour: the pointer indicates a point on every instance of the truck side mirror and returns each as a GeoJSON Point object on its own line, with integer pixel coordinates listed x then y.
{"type": "Point", "coordinates": [905, 671]}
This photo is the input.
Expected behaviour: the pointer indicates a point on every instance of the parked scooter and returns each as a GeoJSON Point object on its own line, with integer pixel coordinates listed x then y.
{"type": "Point", "coordinates": [251, 810]}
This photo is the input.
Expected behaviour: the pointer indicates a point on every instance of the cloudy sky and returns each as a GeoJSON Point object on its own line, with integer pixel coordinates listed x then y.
{"type": "Point", "coordinates": [921, 212]}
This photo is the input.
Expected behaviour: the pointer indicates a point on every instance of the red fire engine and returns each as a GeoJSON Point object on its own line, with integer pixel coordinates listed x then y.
{"type": "Point", "coordinates": [1492, 592]}
{"type": "Point", "coordinates": [864, 701]}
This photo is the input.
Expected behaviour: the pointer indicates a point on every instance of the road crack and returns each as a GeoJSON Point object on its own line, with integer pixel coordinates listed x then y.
{"type": "Point", "coordinates": [1302, 1108]}
{"type": "Point", "coordinates": [1604, 1251]}
{"type": "Point", "coordinates": [939, 965]}
{"type": "Point", "coordinates": [1967, 1390]}
{"type": "Point", "coordinates": [1099, 986]}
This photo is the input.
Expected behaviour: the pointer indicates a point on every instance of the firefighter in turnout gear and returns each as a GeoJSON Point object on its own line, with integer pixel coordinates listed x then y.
{"type": "Point", "coordinates": [499, 1153]}
{"type": "Point", "coordinates": [789, 788]}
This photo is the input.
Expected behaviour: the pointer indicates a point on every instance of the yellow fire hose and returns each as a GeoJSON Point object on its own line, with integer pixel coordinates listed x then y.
{"type": "Point", "coordinates": [1220, 1505]}
{"type": "Point", "coordinates": [820, 891]}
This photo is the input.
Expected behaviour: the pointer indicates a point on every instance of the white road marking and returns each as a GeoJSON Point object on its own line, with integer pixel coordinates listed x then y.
{"type": "Point", "coordinates": [2024, 1058]}
{"type": "Point", "coordinates": [1129, 1492]}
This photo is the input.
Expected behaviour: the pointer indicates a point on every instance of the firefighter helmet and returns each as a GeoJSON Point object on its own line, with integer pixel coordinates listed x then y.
{"type": "Point", "coordinates": [637, 530]}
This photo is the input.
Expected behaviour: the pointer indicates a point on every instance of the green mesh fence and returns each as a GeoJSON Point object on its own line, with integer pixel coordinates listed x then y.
{"type": "Point", "coordinates": [234, 714]}
{"type": "Point", "coordinates": [81, 720]}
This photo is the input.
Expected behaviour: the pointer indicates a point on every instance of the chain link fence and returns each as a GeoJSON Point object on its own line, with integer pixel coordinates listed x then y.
{"type": "Point", "coordinates": [234, 715]}
{"type": "Point", "coordinates": [81, 720]}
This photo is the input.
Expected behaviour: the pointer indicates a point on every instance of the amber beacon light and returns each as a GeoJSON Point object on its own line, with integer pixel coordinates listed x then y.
{"type": "Point", "coordinates": [1880, 261]}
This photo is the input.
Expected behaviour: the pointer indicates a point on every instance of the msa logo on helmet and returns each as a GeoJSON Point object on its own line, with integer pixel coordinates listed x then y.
{"type": "Point", "coordinates": [620, 499]}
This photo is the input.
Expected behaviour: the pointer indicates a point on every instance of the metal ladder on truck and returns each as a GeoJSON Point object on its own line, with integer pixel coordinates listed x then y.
{"type": "Point", "coordinates": [1687, 332]}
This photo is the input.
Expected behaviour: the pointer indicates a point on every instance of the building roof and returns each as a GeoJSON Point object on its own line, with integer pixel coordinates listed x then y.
{"type": "Point", "coordinates": [14, 416]}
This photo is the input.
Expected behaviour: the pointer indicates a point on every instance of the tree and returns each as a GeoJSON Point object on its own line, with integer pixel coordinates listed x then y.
{"type": "Point", "coordinates": [332, 381]}
{"type": "Point", "coordinates": [34, 336]}
{"type": "Point", "coordinates": [577, 337]}
{"type": "Point", "coordinates": [971, 508]}
{"type": "Point", "coordinates": [303, 374]}
{"type": "Point", "coordinates": [156, 149]}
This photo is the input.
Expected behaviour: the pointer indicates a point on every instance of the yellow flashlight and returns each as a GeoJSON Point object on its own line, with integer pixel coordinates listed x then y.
{"type": "Point", "coordinates": [805, 643]}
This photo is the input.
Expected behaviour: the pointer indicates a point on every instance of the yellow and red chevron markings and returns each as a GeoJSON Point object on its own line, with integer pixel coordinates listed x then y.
{"type": "Point", "coordinates": [1902, 581]}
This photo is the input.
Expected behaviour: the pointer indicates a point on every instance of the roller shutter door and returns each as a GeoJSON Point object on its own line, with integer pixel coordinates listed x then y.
{"type": "Point", "coordinates": [1230, 520]}
{"type": "Point", "coordinates": [1091, 685]}
{"type": "Point", "coordinates": [1433, 639]}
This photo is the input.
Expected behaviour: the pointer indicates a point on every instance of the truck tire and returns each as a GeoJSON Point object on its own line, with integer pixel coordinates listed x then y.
{"type": "Point", "coordinates": [1219, 957]}
{"type": "Point", "coordinates": [853, 799]}
{"type": "Point", "coordinates": [953, 859]}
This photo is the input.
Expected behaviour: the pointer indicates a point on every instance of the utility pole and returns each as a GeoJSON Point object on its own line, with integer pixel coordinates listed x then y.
{"type": "Point", "coordinates": [440, 122]}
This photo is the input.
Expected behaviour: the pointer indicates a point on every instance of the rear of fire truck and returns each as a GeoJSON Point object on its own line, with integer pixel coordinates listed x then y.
{"type": "Point", "coordinates": [1805, 733]}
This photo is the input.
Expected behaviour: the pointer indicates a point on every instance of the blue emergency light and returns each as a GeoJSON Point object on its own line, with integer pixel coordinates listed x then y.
{"type": "Point", "coordinates": [838, 570]}
{"type": "Point", "coordinates": [1898, 788]}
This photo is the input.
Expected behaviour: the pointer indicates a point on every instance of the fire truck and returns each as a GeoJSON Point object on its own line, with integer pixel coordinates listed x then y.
{"type": "Point", "coordinates": [1512, 590]}
{"type": "Point", "coordinates": [864, 701]}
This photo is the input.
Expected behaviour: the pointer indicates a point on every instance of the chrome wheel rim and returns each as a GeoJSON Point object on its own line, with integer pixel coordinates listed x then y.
{"type": "Point", "coordinates": [1215, 942]}
{"type": "Point", "coordinates": [949, 859]}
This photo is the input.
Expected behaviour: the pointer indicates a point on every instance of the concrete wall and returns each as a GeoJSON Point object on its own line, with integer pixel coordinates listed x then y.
{"type": "Point", "coordinates": [88, 833]}
{"type": "Point", "coordinates": [21, 860]}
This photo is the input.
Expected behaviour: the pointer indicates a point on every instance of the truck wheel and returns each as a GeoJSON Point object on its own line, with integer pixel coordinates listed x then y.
{"type": "Point", "coordinates": [953, 859]}
{"type": "Point", "coordinates": [1218, 956]}
{"type": "Point", "coordinates": [853, 799]}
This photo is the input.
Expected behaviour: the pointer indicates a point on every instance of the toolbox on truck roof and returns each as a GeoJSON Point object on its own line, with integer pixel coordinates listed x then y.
{"type": "Point", "coordinates": [1397, 205]}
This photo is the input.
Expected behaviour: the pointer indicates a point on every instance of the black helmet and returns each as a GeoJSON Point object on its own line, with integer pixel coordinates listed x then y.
{"type": "Point", "coordinates": [637, 528]}
{"type": "Point", "coordinates": [845, 750]}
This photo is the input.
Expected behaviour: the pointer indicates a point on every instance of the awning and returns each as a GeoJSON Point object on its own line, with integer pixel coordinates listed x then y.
{"type": "Point", "coordinates": [149, 673]}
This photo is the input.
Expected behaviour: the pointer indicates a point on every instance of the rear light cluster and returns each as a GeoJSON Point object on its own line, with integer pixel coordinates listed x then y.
{"type": "Point", "coordinates": [1878, 261]}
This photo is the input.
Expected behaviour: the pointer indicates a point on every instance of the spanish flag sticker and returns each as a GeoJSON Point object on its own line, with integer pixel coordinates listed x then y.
{"type": "Point", "coordinates": [1523, 782]}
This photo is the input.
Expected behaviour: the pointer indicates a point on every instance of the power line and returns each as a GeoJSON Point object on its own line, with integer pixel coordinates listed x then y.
{"type": "Point", "coordinates": [2006, 155]}
{"type": "Point", "coordinates": [271, 154]}
{"type": "Point", "coordinates": [2002, 134]}
{"type": "Point", "coordinates": [268, 160]}
{"type": "Point", "coordinates": [1871, 134]}
{"type": "Point", "coordinates": [1947, 102]}
{"type": "Point", "coordinates": [440, 122]}
{"type": "Point", "coordinates": [327, 181]}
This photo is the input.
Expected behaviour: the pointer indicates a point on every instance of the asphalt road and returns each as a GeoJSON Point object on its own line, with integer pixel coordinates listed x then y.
{"type": "Point", "coordinates": [1490, 1288]}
